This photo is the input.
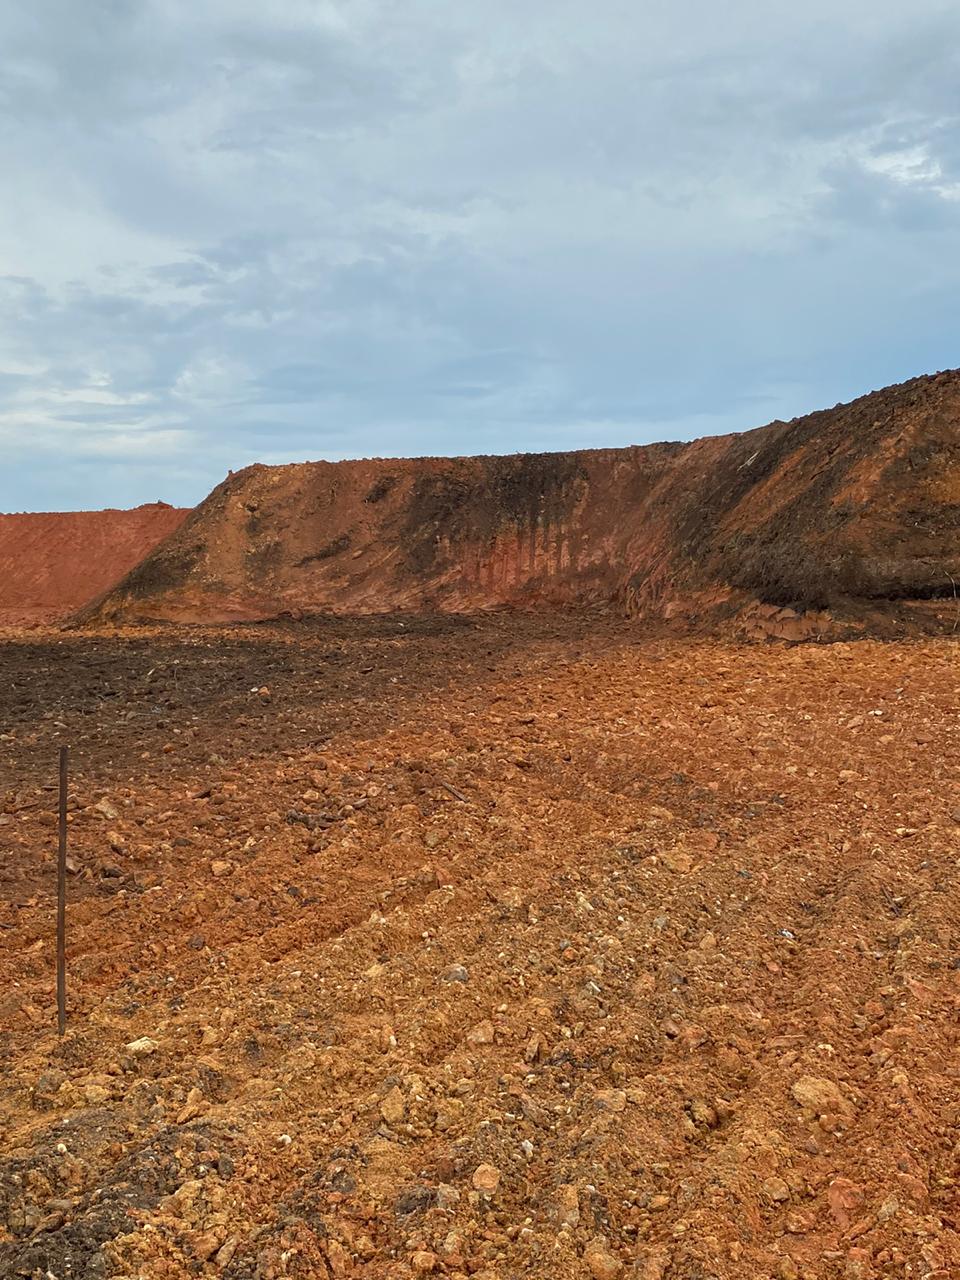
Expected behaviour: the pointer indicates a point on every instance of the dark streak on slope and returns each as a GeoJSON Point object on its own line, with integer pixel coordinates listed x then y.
{"type": "Point", "coordinates": [854, 503]}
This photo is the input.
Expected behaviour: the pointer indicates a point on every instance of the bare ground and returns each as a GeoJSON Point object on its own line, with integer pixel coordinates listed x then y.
{"type": "Point", "coordinates": [481, 947]}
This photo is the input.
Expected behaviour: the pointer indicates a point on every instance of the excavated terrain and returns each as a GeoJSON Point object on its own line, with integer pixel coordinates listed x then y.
{"type": "Point", "coordinates": [51, 563]}
{"type": "Point", "coordinates": [840, 509]}
{"type": "Point", "coordinates": [487, 947]}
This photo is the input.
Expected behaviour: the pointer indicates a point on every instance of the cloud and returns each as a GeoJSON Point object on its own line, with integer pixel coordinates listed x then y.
{"type": "Point", "coordinates": [235, 232]}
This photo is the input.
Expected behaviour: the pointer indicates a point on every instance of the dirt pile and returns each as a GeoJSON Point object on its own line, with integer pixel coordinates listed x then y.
{"type": "Point", "coordinates": [857, 503]}
{"type": "Point", "coordinates": [481, 949]}
{"type": "Point", "coordinates": [51, 563]}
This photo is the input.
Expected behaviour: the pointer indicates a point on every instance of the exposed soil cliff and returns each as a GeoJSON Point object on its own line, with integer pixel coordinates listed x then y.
{"type": "Point", "coordinates": [860, 502]}
{"type": "Point", "coordinates": [53, 562]}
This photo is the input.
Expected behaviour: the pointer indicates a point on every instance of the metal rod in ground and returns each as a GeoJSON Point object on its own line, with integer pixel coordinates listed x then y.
{"type": "Point", "coordinates": [62, 900]}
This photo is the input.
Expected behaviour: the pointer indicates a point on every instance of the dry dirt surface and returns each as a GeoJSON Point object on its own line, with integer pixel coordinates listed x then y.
{"type": "Point", "coordinates": [844, 508]}
{"type": "Point", "coordinates": [51, 563]}
{"type": "Point", "coordinates": [487, 948]}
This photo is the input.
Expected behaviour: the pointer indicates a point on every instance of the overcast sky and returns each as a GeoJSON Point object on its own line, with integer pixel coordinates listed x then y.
{"type": "Point", "coordinates": [237, 231]}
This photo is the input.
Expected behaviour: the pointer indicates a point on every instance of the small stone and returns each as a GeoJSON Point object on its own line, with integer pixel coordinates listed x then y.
{"type": "Point", "coordinates": [601, 1263]}
{"type": "Point", "coordinates": [413, 1199]}
{"type": "Point", "coordinates": [48, 1082]}
{"type": "Point", "coordinates": [703, 1113]}
{"type": "Point", "coordinates": [220, 867]}
{"type": "Point", "coordinates": [453, 1244]}
{"type": "Point", "coordinates": [819, 1095]}
{"type": "Point", "coordinates": [447, 1115]}
{"type": "Point", "coordinates": [142, 1047]}
{"type": "Point", "coordinates": [859, 1266]}
{"type": "Point", "coordinates": [913, 1188]}
{"type": "Point", "coordinates": [568, 1204]}
{"type": "Point", "coordinates": [194, 1105]}
{"type": "Point", "coordinates": [889, 1209]}
{"type": "Point", "coordinates": [393, 1106]}
{"type": "Point", "coordinates": [204, 1244]}
{"type": "Point", "coordinates": [844, 1197]}
{"type": "Point", "coordinates": [611, 1099]}
{"type": "Point", "coordinates": [677, 860]}
{"type": "Point", "coordinates": [775, 1189]}
{"type": "Point", "coordinates": [448, 1197]}
{"type": "Point", "coordinates": [226, 1251]}
{"type": "Point", "coordinates": [654, 1265]}
{"type": "Point", "coordinates": [486, 1179]}
{"type": "Point", "coordinates": [691, 1036]}
{"type": "Point", "coordinates": [424, 1261]}
{"type": "Point", "coordinates": [482, 1033]}
{"type": "Point", "coordinates": [338, 1258]}
{"type": "Point", "coordinates": [455, 973]}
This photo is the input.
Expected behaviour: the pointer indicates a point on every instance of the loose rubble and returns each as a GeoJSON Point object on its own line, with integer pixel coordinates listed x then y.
{"type": "Point", "coordinates": [670, 993]}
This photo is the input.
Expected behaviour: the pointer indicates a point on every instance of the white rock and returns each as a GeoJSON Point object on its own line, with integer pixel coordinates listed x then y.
{"type": "Point", "coordinates": [140, 1048]}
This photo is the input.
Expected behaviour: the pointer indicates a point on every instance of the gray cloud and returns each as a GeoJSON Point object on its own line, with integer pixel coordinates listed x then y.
{"type": "Point", "coordinates": [235, 232]}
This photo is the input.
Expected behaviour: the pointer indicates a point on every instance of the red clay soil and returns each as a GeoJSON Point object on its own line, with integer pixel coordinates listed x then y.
{"type": "Point", "coordinates": [488, 949]}
{"type": "Point", "coordinates": [859, 504]}
{"type": "Point", "coordinates": [51, 563]}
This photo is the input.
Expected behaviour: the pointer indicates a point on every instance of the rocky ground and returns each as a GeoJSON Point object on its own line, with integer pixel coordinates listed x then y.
{"type": "Point", "coordinates": [481, 948]}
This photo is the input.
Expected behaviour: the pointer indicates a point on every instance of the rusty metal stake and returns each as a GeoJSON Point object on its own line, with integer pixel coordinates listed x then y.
{"type": "Point", "coordinates": [62, 900]}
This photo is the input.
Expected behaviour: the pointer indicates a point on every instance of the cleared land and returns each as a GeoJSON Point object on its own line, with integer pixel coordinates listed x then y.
{"type": "Point", "coordinates": [494, 948]}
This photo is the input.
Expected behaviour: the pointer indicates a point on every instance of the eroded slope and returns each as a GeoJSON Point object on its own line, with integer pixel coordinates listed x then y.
{"type": "Point", "coordinates": [861, 502]}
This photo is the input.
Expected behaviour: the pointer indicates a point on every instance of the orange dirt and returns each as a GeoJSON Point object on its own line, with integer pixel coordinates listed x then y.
{"type": "Point", "coordinates": [51, 563]}
{"type": "Point", "coordinates": [481, 948]}
{"type": "Point", "coordinates": [843, 508]}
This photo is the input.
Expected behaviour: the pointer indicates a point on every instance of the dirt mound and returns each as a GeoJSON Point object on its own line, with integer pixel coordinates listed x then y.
{"type": "Point", "coordinates": [860, 502]}
{"type": "Point", "coordinates": [51, 563]}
